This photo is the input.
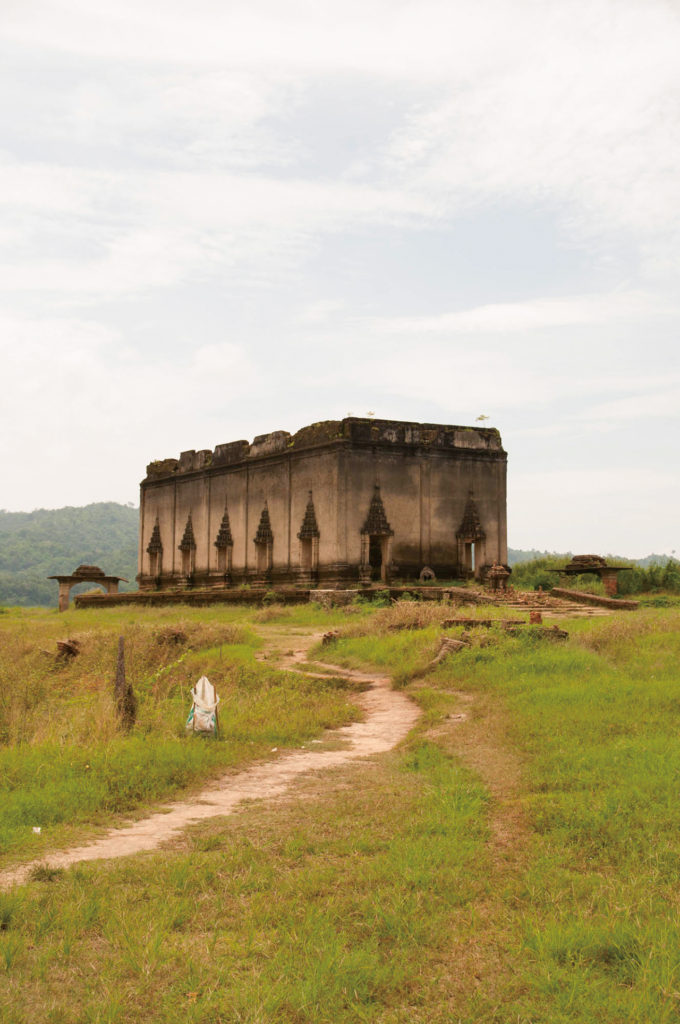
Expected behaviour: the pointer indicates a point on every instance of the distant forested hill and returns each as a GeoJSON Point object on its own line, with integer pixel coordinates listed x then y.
{"type": "Point", "coordinates": [34, 545]}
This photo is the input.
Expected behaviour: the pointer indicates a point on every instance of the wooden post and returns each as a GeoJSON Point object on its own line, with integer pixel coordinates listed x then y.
{"type": "Point", "coordinates": [126, 703]}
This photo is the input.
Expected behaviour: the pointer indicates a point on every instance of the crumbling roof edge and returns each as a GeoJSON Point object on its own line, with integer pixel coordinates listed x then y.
{"type": "Point", "coordinates": [351, 431]}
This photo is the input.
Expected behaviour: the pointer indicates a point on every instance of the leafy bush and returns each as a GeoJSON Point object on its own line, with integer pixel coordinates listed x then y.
{"type": "Point", "coordinates": [536, 573]}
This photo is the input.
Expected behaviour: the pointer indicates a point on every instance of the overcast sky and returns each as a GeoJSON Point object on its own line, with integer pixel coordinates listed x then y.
{"type": "Point", "coordinates": [221, 219]}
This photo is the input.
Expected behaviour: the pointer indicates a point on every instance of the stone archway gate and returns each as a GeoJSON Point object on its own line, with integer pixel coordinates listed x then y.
{"type": "Point", "coordinates": [85, 574]}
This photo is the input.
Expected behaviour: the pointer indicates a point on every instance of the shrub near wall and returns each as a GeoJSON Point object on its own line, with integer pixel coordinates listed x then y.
{"type": "Point", "coordinates": [536, 573]}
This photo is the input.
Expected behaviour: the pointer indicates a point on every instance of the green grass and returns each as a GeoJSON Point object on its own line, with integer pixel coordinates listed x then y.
{"type": "Point", "coordinates": [588, 909]}
{"type": "Point", "coordinates": [402, 638]}
{"type": "Point", "coordinates": [325, 913]}
{"type": "Point", "coordinates": [416, 888]}
{"type": "Point", "coordinates": [403, 653]}
{"type": "Point", "coordinates": [64, 762]}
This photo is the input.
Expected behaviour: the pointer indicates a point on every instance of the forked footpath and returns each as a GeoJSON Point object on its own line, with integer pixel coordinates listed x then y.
{"type": "Point", "coordinates": [388, 717]}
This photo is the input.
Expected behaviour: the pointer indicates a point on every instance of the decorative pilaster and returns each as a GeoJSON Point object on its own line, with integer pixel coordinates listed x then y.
{"type": "Point", "coordinates": [187, 546]}
{"type": "Point", "coordinates": [264, 545]}
{"type": "Point", "coordinates": [155, 551]}
{"type": "Point", "coordinates": [309, 544]}
{"type": "Point", "coordinates": [225, 547]}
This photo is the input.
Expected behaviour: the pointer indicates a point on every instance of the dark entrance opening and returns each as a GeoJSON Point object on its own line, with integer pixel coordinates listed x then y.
{"type": "Point", "coordinates": [306, 554]}
{"type": "Point", "coordinates": [375, 557]}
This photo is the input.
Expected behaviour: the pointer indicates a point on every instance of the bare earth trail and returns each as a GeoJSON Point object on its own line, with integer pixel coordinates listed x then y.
{"type": "Point", "coordinates": [389, 715]}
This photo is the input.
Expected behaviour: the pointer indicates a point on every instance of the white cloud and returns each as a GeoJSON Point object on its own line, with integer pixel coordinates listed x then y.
{"type": "Point", "coordinates": [165, 160]}
{"type": "Point", "coordinates": [87, 414]}
{"type": "Point", "coordinates": [377, 38]}
{"type": "Point", "coordinates": [156, 229]}
{"type": "Point", "coordinates": [520, 317]}
{"type": "Point", "coordinates": [49, 190]}
{"type": "Point", "coordinates": [463, 381]}
{"type": "Point", "coordinates": [323, 312]}
{"type": "Point", "coordinates": [595, 482]}
{"type": "Point", "coordinates": [572, 105]}
{"type": "Point", "coordinates": [582, 111]}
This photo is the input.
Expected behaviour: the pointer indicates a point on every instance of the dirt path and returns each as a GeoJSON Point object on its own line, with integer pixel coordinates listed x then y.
{"type": "Point", "coordinates": [389, 715]}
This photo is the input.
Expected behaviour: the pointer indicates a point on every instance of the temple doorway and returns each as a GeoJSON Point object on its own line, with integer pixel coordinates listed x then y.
{"type": "Point", "coordinates": [376, 543]}
{"type": "Point", "coordinates": [306, 554]}
{"type": "Point", "coordinates": [471, 539]}
{"type": "Point", "coordinates": [375, 556]}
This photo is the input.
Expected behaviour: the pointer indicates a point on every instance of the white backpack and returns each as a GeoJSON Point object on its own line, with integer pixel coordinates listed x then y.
{"type": "Point", "coordinates": [203, 715]}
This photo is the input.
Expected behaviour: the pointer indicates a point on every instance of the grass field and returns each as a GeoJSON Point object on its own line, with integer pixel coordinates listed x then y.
{"type": "Point", "coordinates": [516, 860]}
{"type": "Point", "coordinates": [63, 761]}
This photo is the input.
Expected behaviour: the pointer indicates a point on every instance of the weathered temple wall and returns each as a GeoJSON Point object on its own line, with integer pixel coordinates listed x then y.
{"type": "Point", "coordinates": [426, 476]}
{"type": "Point", "coordinates": [424, 498]}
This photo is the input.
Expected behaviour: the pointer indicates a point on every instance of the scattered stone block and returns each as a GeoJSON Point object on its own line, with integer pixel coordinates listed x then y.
{"type": "Point", "coordinates": [448, 645]}
{"type": "Point", "coordinates": [171, 636]}
{"type": "Point", "coordinates": [68, 649]}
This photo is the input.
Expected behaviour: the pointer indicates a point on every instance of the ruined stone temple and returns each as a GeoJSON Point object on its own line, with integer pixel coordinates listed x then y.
{"type": "Point", "coordinates": [338, 504]}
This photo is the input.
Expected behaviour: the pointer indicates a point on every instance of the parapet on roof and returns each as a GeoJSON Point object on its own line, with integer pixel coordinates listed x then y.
{"type": "Point", "coordinates": [353, 430]}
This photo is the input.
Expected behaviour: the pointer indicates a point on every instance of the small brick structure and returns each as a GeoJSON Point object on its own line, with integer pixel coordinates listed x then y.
{"type": "Point", "coordinates": [497, 577]}
{"type": "Point", "coordinates": [598, 565]}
